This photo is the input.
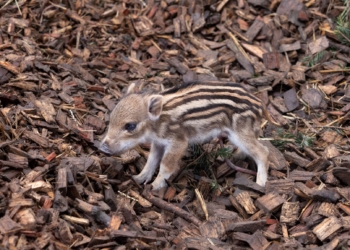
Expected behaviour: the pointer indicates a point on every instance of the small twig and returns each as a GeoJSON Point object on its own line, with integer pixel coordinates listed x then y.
{"type": "Point", "coordinates": [78, 40]}
{"type": "Point", "coordinates": [233, 166]}
{"type": "Point", "coordinates": [88, 180]}
{"type": "Point", "coordinates": [58, 6]}
{"type": "Point", "coordinates": [7, 3]}
{"type": "Point", "coordinates": [202, 202]}
{"type": "Point", "coordinates": [341, 47]}
{"type": "Point", "coordinates": [338, 120]}
{"type": "Point", "coordinates": [239, 46]}
{"type": "Point", "coordinates": [335, 127]}
{"type": "Point", "coordinates": [127, 196]}
{"type": "Point", "coordinates": [156, 45]}
{"type": "Point", "coordinates": [19, 9]}
{"type": "Point", "coordinates": [334, 70]}
{"type": "Point", "coordinates": [168, 206]}
{"type": "Point", "coordinates": [74, 118]}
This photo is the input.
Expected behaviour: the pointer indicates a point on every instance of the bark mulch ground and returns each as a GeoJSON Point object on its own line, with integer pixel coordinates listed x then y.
{"type": "Point", "coordinates": [65, 64]}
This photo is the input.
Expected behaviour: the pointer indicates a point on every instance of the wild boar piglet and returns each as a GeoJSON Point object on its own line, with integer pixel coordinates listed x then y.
{"type": "Point", "coordinates": [193, 113]}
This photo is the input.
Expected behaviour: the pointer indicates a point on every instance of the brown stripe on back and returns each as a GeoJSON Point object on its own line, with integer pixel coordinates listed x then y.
{"type": "Point", "coordinates": [198, 89]}
{"type": "Point", "coordinates": [238, 104]}
{"type": "Point", "coordinates": [235, 97]}
{"type": "Point", "coordinates": [216, 120]}
{"type": "Point", "coordinates": [205, 113]}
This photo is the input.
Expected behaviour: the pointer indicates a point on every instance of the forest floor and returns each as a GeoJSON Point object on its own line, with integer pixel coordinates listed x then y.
{"type": "Point", "coordinates": [65, 64]}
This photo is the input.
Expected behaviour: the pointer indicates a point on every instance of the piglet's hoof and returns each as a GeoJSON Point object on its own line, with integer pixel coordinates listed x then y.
{"type": "Point", "coordinates": [159, 183]}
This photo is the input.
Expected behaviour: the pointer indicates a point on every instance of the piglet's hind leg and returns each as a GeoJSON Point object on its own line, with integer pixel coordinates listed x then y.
{"type": "Point", "coordinates": [249, 144]}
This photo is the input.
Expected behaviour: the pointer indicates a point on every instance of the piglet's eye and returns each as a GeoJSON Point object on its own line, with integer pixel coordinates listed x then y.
{"type": "Point", "coordinates": [130, 126]}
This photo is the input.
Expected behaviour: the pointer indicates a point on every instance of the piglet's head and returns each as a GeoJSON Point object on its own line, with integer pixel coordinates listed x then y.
{"type": "Point", "coordinates": [130, 121]}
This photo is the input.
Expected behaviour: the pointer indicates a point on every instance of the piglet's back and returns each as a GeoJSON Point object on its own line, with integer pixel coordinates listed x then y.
{"type": "Point", "coordinates": [209, 105]}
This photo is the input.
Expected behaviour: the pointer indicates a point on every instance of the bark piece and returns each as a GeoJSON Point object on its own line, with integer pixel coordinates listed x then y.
{"type": "Point", "coordinates": [290, 213]}
{"type": "Point", "coordinates": [290, 47]}
{"type": "Point", "coordinates": [298, 175]}
{"type": "Point", "coordinates": [254, 29]}
{"type": "Point", "coordinates": [143, 25]}
{"type": "Point", "coordinates": [239, 208]}
{"type": "Point", "coordinates": [326, 195]}
{"type": "Point", "coordinates": [262, 3]}
{"type": "Point", "coordinates": [123, 233]}
{"type": "Point", "coordinates": [245, 183]}
{"type": "Point", "coordinates": [292, 10]}
{"type": "Point", "coordinates": [279, 103]}
{"type": "Point", "coordinates": [64, 232]}
{"type": "Point", "coordinates": [318, 164]}
{"type": "Point", "coordinates": [66, 98]}
{"type": "Point", "coordinates": [270, 202]}
{"type": "Point", "coordinates": [291, 99]}
{"type": "Point", "coordinates": [318, 45]}
{"type": "Point", "coordinates": [283, 186]}
{"type": "Point", "coordinates": [21, 202]}
{"type": "Point", "coordinates": [21, 161]}
{"type": "Point", "coordinates": [113, 167]}
{"type": "Point", "coordinates": [26, 218]}
{"type": "Point", "coordinates": [271, 60]}
{"type": "Point", "coordinates": [246, 202]}
{"type": "Point", "coordinates": [62, 181]}
{"type": "Point", "coordinates": [246, 64]}
{"type": "Point", "coordinates": [198, 18]}
{"type": "Point", "coordinates": [76, 220]}
{"type": "Point", "coordinates": [60, 203]}
{"type": "Point", "coordinates": [327, 227]}
{"type": "Point", "coordinates": [345, 222]}
{"type": "Point", "coordinates": [296, 159]}
{"type": "Point", "coordinates": [257, 241]}
{"type": "Point", "coordinates": [342, 174]}
{"type": "Point", "coordinates": [276, 115]}
{"type": "Point", "coordinates": [298, 75]}
{"type": "Point", "coordinates": [213, 228]}
{"type": "Point", "coordinates": [180, 67]}
{"type": "Point", "coordinates": [46, 109]}
{"type": "Point", "coordinates": [241, 236]}
{"type": "Point", "coordinates": [110, 198]}
{"type": "Point", "coordinates": [7, 225]}
{"type": "Point", "coordinates": [115, 222]}
{"type": "Point", "coordinates": [87, 208]}
{"type": "Point", "coordinates": [314, 98]}
{"type": "Point", "coordinates": [329, 178]}
{"type": "Point", "coordinates": [302, 190]}
{"type": "Point", "coordinates": [276, 158]}
{"type": "Point", "coordinates": [246, 226]}
{"type": "Point", "coordinates": [44, 142]}
{"type": "Point", "coordinates": [261, 81]}
{"type": "Point", "coordinates": [328, 209]}
{"type": "Point", "coordinates": [331, 151]}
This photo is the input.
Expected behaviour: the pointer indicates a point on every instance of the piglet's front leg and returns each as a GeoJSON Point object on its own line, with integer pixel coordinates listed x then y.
{"type": "Point", "coordinates": [170, 162]}
{"type": "Point", "coordinates": [154, 158]}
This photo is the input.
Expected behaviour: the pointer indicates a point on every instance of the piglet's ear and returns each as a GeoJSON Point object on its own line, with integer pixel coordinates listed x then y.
{"type": "Point", "coordinates": [155, 106]}
{"type": "Point", "coordinates": [132, 89]}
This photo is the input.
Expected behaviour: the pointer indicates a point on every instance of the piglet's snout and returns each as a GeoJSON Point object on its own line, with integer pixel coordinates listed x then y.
{"type": "Point", "coordinates": [105, 146]}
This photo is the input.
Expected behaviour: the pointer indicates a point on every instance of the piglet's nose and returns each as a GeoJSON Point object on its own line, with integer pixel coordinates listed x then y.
{"type": "Point", "coordinates": [105, 146]}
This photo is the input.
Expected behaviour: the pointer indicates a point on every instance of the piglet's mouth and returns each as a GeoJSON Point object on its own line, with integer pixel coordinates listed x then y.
{"type": "Point", "coordinates": [105, 149]}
